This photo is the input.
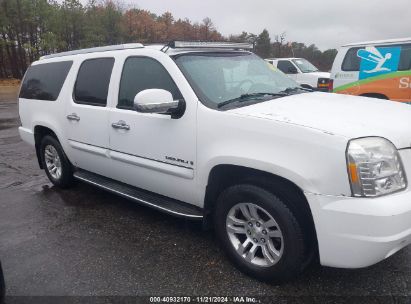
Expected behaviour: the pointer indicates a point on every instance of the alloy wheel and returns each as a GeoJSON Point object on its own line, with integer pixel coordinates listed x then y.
{"type": "Point", "coordinates": [255, 234]}
{"type": "Point", "coordinates": [53, 161]}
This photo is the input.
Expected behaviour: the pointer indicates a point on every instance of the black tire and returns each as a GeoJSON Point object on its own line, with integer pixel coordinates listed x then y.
{"type": "Point", "coordinates": [66, 178]}
{"type": "Point", "coordinates": [307, 86]}
{"type": "Point", "coordinates": [375, 95]}
{"type": "Point", "coordinates": [292, 259]}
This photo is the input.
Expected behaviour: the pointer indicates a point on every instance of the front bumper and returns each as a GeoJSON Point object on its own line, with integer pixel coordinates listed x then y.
{"type": "Point", "coordinates": [359, 232]}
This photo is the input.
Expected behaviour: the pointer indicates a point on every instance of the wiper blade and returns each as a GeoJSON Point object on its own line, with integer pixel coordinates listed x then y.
{"type": "Point", "coordinates": [293, 89]}
{"type": "Point", "coordinates": [247, 96]}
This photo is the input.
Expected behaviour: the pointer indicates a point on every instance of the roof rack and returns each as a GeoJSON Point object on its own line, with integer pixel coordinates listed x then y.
{"type": "Point", "coordinates": [96, 49]}
{"type": "Point", "coordinates": [209, 45]}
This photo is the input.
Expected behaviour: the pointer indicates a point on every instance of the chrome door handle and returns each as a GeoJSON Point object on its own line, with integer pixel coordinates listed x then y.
{"type": "Point", "coordinates": [73, 116]}
{"type": "Point", "coordinates": [120, 125]}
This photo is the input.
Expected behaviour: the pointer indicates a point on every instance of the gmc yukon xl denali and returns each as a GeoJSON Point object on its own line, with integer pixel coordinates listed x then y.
{"type": "Point", "coordinates": [211, 132]}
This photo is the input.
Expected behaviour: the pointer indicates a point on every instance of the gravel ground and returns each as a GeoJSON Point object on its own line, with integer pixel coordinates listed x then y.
{"type": "Point", "coordinates": [87, 242]}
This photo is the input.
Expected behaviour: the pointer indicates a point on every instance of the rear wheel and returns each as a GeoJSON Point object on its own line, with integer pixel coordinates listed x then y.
{"type": "Point", "coordinates": [259, 233]}
{"type": "Point", "coordinates": [55, 162]}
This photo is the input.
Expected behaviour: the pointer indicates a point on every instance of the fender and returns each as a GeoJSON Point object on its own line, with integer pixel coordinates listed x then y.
{"type": "Point", "coordinates": [293, 177]}
{"type": "Point", "coordinates": [58, 134]}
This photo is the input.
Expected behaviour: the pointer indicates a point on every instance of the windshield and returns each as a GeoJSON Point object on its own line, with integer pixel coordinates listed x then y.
{"type": "Point", "coordinates": [220, 77]}
{"type": "Point", "coordinates": [305, 66]}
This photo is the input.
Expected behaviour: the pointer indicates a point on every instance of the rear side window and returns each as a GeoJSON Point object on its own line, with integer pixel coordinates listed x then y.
{"type": "Point", "coordinates": [142, 73]}
{"type": "Point", "coordinates": [44, 81]}
{"type": "Point", "coordinates": [405, 58]}
{"type": "Point", "coordinates": [92, 81]}
{"type": "Point", "coordinates": [285, 66]}
{"type": "Point", "coordinates": [351, 61]}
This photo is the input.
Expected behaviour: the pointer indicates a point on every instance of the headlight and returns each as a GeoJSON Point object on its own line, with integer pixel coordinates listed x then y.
{"type": "Point", "coordinates": [375, 167]}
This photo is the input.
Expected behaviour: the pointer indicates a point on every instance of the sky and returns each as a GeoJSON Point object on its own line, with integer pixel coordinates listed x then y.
{"type": "Point", "coordinates": [328, 24]}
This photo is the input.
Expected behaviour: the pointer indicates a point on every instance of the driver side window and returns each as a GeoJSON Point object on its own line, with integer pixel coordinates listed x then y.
{"type": "Point", "coordinates": [286, 67]}
{"type": "Point", "coordinates": [142, 73]}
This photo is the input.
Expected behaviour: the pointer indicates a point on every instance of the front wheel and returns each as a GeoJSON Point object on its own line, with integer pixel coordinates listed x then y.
{"type": "Point", "coordinates": [259, 233]}
{"type": "Point", "coordinates": [55, 162]}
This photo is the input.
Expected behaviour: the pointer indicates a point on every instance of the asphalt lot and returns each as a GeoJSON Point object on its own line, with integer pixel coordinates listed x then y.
{"type": "Point", "coordinates": [85, 241]}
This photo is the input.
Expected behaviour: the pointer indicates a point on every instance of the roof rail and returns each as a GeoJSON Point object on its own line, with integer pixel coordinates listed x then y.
{"type": "Point", "coordinates": [387, 41]}
{"type": "Point", "coordinates": [211, 45]}
{"type": "Point", "coordinates": [95, 50]}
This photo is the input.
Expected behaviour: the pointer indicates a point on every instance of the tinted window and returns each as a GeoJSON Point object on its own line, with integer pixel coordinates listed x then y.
{"type": "Point", "coordinates": [93, 80]}
{"type": "Point", "coordinates": [141, 73]}
{"type": "Point", "coordinates": [285, 66]}
{"type": "Point", "coordinates": [351, 61]}
{"type": "Point", "coordinates": [44, 81]}
{"type": "Point", "coordinates": [405, 59]}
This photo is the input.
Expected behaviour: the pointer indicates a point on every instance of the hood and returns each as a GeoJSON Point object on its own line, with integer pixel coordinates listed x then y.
{"type": "Point", "coordinates": [344, 115]}
{"type": "Point", "coordinates": [320, 74]}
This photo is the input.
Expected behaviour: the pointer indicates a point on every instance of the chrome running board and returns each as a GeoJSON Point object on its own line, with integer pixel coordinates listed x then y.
{"type": "Point", "coordinates": [150, 199]}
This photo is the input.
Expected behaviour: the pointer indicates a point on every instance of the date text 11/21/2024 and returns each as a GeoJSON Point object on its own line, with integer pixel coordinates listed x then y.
{"type": "Point", "coordinates": [204, 299]}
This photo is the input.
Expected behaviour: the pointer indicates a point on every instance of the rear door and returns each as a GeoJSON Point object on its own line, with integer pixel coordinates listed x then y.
{"type": "Point", "coordinates": [87, 115]}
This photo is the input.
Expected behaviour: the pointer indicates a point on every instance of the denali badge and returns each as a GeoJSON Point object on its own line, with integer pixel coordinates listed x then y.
{"type": "Point", "coordinates": [181, 161]}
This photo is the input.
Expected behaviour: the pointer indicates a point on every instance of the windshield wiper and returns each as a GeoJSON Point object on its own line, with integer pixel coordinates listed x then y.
{"type": "Point", "coordinates": [293, 89]}
{"type": "Point", "coordinates": [248, 96]}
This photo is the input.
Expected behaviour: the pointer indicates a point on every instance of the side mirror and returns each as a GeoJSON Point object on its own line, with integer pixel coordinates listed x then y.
{"type": "Point", "coordinates": [158, 101]}
{"type": "Point", "coordinates": [292, 70]}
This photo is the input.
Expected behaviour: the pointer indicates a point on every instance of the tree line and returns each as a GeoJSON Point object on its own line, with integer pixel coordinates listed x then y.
{"type": "Point", "coordinates": [33, 28]}
{"type": "Point", "coordinates": [279, 48]}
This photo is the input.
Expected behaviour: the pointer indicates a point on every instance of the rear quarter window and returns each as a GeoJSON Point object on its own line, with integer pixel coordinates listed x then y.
{"type": "Point", "coordinates": [44, 81]}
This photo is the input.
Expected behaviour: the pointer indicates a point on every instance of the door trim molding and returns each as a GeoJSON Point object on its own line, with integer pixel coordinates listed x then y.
{"type": "Point", "coordinates": [88, 148]}
{"type": "Point", "coordinates": [179, 171]}
{"type": "Point", "coordinates": [152, 164]}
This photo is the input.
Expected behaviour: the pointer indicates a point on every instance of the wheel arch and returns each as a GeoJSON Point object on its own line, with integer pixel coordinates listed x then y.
{"type": "Point", "coordinates": [39, 132]}
{"type": "Point", "coordinates": [375, 95]}
{"type": "Point", "coordinates": [225, 175]}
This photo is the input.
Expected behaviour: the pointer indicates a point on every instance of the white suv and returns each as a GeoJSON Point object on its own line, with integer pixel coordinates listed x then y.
{"type": "Point", "coordinates": [302, 71]}
{"type": "Point", "coordinates": [212, 132]}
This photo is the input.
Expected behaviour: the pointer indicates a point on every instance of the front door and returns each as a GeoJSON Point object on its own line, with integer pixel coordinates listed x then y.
{"type": "Point", "coordinates": [87, 116]}
{"type": "Point", "coordinates": [153, 151]}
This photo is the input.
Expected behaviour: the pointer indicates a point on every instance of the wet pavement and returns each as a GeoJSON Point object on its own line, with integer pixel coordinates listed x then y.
{"type": "Point", "coordinates": [85, 241]}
